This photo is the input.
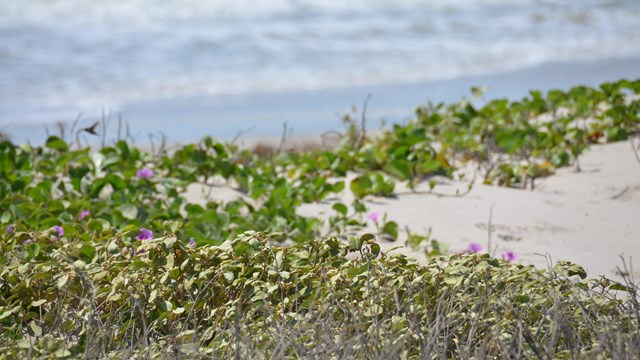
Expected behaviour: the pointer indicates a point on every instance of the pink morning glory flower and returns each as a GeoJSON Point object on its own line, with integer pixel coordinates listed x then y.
{"type": "Point", "coordinates": [10, 229]}
{"type": "Point", "coordinates": [144, 173]}
{"type": "Point", "coordinates": [59, 231]}
{"type": "Point", "coordinates": [192, 242]}
{"type": "Point", "coordinates": [83, 214]}
{"type": "Point", "coordinates": [474, 248]}
{"type": "Point", "coordinates": [509, 256]}
{"type": "Point", "coordinates": [145, 234]}
{"type": "Point", "coordinates": [374, 216]}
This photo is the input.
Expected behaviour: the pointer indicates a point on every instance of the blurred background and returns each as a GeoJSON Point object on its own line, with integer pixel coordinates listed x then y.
{"type": "Point", "coordinates": [187, 68]}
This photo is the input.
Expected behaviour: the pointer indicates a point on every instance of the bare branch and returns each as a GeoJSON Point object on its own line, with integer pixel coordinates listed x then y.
{"type": "Point", "coordinates": [241, 133]}
{"type": "Point", "coordinates": [73, 129]}
{"type": "Point", "coordinates": [283, 139]}
{"type": "Point", "coordinates": [363, 121]}
{"type": "Point", "coordinates": [119, 128]}
{"type": "Point", "coordinates": [633, 147]}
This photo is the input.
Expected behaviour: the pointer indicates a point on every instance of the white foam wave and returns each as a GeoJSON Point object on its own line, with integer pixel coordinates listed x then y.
{"type": "Point", "coordinates": [153, 12]}
{"type": "Point", "coordinates": [78, 54]}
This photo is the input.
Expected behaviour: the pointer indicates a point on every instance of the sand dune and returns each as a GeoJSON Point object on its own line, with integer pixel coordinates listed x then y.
{"type": "Point", "coordinates": [591, 217]}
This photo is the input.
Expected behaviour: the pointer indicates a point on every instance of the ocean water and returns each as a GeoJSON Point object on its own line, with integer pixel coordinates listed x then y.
{"type": "Point", "coordinates": [59, 58]}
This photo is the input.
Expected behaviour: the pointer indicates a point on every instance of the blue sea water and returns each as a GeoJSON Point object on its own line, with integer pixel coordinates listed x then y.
{"type": "Point", "coordinates": [59, 58]}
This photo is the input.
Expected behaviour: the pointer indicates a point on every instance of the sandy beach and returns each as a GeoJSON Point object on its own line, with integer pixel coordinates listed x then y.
{"type": "Point", "coordinates": [591, 217]}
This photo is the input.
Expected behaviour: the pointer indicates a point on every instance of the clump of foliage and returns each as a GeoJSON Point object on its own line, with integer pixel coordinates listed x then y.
{"type": "Point", "coordinates": [122, 297]}
{"type": "Point", "coordinates": [510, 140]}
{"type": "Point", "coordinates": [102, 255]}
{"type": "Point", "coordinates": [516, 142]}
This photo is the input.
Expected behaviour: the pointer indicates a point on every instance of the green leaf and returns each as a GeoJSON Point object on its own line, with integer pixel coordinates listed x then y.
{"type": "Point", "coordinates": [170, 242]}
{"type": "Point", "coordinates": [243, 248]}
{"type": "Point", "coordinates": [97, 159]}
{"type": "Point", "coordinates": [6, 217]}
{"type": "Point", "coordinates": [62, 281]}
{"type": "Point", "coordinates": [391, 229]}
{"type": "Point", "coordinates": [338, 187]}
{"type": "Point", "coordinates": [365, 238]}
{"type": "Point", "coordinates": [33, 250]}
{"type": "Point", "coordinates": [509, 141]}
{"type": "Point", "coordinates": [62, 353]}
{"type": "Point", "coordinates": [361, 186]}
{"type": "Point", "coordinates": [116, 181]}
{"type": "Point", "coordinates": [128, 211]}
{"type": "Point", "coordinates": [55, 143]}
{"type": "Point", "coordinates": [36, 303]}
{"type": "Point", "coordinates": [105, 224]}
{"type": "Point", "coordinates": [152, 296]}
{"type": "Point", "coordinates": [8, 313]}
{"type": "Point", "coordinates": [36, 330]}
{"type": "Point", "coordinates": [88, 251]}
{"type": "Point", "coordinates": [375, 249]}
{"type": "Point", "coordinates": [229, 275]}
{"type": "Point", "coordinates": [340, 208]}
{"type": "Point", "coordinates": [172, 225]}
{"type": "Point", "coordinates": [618, 286]}
{"type": "Point", "coordinates": [94, 225]}
{"type": "Point", "coordinates": [358, 206]}
{"type": "Point", "coordinates": [166, 305]}
{"type": "Point", "coordinates": [113, 247]}
{"type": "Point", "coordinates": [576, 269]}
{"type": "Point", "coordinates": [453, 280]}
{"type": "Point", "coordinates": [97, 185]}
{"type": "Point", "coordinates": [401, 169]}
{"type": "Point", "coordinates": [279, 259]}
{"type": "Point", "coordinates": [355, 243]}
{"type": "Point", "coordinates": [429, 166]}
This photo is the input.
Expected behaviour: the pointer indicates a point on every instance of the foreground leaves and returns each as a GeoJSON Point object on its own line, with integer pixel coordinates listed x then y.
{"type": "Point", "coordinates": [322, 298]}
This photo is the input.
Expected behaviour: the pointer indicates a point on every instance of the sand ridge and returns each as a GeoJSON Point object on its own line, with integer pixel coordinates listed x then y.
{"type": "Point", "coordinates": [591, 217]}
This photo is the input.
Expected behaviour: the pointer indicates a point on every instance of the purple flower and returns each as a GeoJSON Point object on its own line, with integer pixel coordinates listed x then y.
{"type": "Point", "coordinates": [145, 234]}
{"type": "Point", "coordinates": [374, 216]}
{"type": "Point", "coordinates": [474, 248]}
{"type": "Point", "coordinates": [83, 214]}
{"type": "Point", "coordinates": [59, 230]}
{"type": "Point", "coordinates": [509, 256]}
{"type": "Point", "coordinates": [10, 229]}
{"type": "Point", "coordinates": [192, 242]}
{"type": "Point", "coordinates": [144, 173]}
{"type": "Point", "coordinates": [27, 242]}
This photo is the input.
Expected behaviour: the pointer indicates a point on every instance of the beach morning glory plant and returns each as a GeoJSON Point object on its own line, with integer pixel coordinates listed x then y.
{"type": "Point", "coordinates": [509, 256]}
{"type": "Point", "coordinates": [59, 231]}
{"type": "Point", "coordinates": [145, 234]}
{"type": "Point", "coordinates": [144, 173]}
{"type": "Point", "coordinates": [474, 248]}
{"type": "Point", "coordinates": [374, 216]}
{"type": "Point", "coordinates": [83, 214]}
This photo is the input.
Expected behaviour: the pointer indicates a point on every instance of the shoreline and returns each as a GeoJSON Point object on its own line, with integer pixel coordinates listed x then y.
{"type": "Point", "coordinates": [312, 112]}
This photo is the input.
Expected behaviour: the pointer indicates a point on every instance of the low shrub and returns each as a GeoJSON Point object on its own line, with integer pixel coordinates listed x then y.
{"type": "Point", "coordinates": [318, 299]}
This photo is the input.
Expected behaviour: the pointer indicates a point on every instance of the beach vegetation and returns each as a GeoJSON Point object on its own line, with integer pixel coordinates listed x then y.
{"type": "Point", "coordinates": [101, 254]}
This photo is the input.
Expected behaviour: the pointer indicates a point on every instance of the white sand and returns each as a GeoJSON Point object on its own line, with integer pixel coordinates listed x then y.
{"type": "Point", "coordinates": [590, 218]}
